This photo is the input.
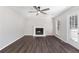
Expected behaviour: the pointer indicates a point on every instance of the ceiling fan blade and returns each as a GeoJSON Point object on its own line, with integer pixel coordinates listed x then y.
{"type": "Point", "coordinates": [36, 8]}
{"type": "Point", "coordinates": [43, 12]}
{"type": "Point", "coordinates": [45, 9]}
{"type": "Point", "coordinates": [32, 11]}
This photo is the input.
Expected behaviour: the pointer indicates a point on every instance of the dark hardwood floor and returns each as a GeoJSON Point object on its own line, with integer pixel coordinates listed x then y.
{"type": "Point", "coordinates": [49, 44]}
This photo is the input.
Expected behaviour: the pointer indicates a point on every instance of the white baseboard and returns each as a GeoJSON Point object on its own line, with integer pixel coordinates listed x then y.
{"type": "Point", "coordinates": [10, 43]}
{"type": "Point", "coordinates": [38, 35]}
{"type": "Point", "coordinates": [69, 42]}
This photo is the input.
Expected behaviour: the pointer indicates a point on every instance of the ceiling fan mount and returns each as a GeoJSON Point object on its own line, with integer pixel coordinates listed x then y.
{"type": "Point", "coordinates": [39, 7]}
{"type": "Point", "coordinates": [38, 10]}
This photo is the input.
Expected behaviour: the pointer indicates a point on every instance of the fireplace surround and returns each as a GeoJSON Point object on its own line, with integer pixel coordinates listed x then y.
{"type": "Point", "coordinates": [39, 31]}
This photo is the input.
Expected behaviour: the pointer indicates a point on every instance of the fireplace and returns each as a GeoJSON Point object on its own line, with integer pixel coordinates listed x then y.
{"type": "Point", "coordinates": [39, 31]}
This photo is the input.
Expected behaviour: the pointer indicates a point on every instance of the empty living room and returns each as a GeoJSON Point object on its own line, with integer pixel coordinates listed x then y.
{"type": "Point", "coordinates": [39, 29]}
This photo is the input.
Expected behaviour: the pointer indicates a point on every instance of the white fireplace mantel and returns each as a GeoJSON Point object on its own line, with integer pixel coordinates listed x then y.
{"type": "Point", "coordinates": [34, 31]}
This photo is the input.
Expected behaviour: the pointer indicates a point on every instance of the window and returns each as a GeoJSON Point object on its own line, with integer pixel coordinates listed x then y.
{"type": "Point", "coordinates": [73, 22]}
{"type": "Point", "coordinates": [58, 25]}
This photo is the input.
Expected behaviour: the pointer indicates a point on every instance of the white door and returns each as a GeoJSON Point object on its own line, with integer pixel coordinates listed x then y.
{"type": "Point", "coordinates": [74, 30]}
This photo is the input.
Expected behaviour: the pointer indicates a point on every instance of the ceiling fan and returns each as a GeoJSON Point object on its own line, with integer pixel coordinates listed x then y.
{"type": "Point", "coordinates": [38, 10]}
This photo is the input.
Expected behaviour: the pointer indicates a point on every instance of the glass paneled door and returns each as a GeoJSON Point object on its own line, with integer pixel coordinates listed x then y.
{"type": "Point", "coordinates": [74, 30]}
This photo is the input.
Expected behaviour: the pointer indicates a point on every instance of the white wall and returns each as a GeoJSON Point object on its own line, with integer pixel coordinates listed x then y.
{"type": "Point", "coordinates": [11, 26]}
{"type": "Point", "coordinates": [64, 32]}
{"type": "Point", "coordinates": [14, 26]}
{"type": "Point", "coordinates": [41, 20]}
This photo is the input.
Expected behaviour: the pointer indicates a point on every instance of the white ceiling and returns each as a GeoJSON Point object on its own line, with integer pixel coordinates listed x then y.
{"type": "Point", "coordinates": [54, 10]}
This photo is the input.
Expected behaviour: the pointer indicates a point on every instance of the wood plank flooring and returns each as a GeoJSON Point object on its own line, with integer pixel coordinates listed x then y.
{"type": "Point", "coordinates": [49, 44]}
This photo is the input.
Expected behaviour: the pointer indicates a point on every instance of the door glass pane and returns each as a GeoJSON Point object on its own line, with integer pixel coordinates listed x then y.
{"type": "Point", "coordinates": [76, 22]}
{"type": "Point", "coordinates": [73, 22]}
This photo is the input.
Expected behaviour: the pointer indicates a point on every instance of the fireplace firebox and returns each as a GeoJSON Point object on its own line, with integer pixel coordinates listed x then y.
{"type": "Point", "coordinates": [39, 31]}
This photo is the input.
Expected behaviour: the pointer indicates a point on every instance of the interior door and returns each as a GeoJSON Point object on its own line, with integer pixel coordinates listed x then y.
{"type": "Point", "coordinates": [74, 28]}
